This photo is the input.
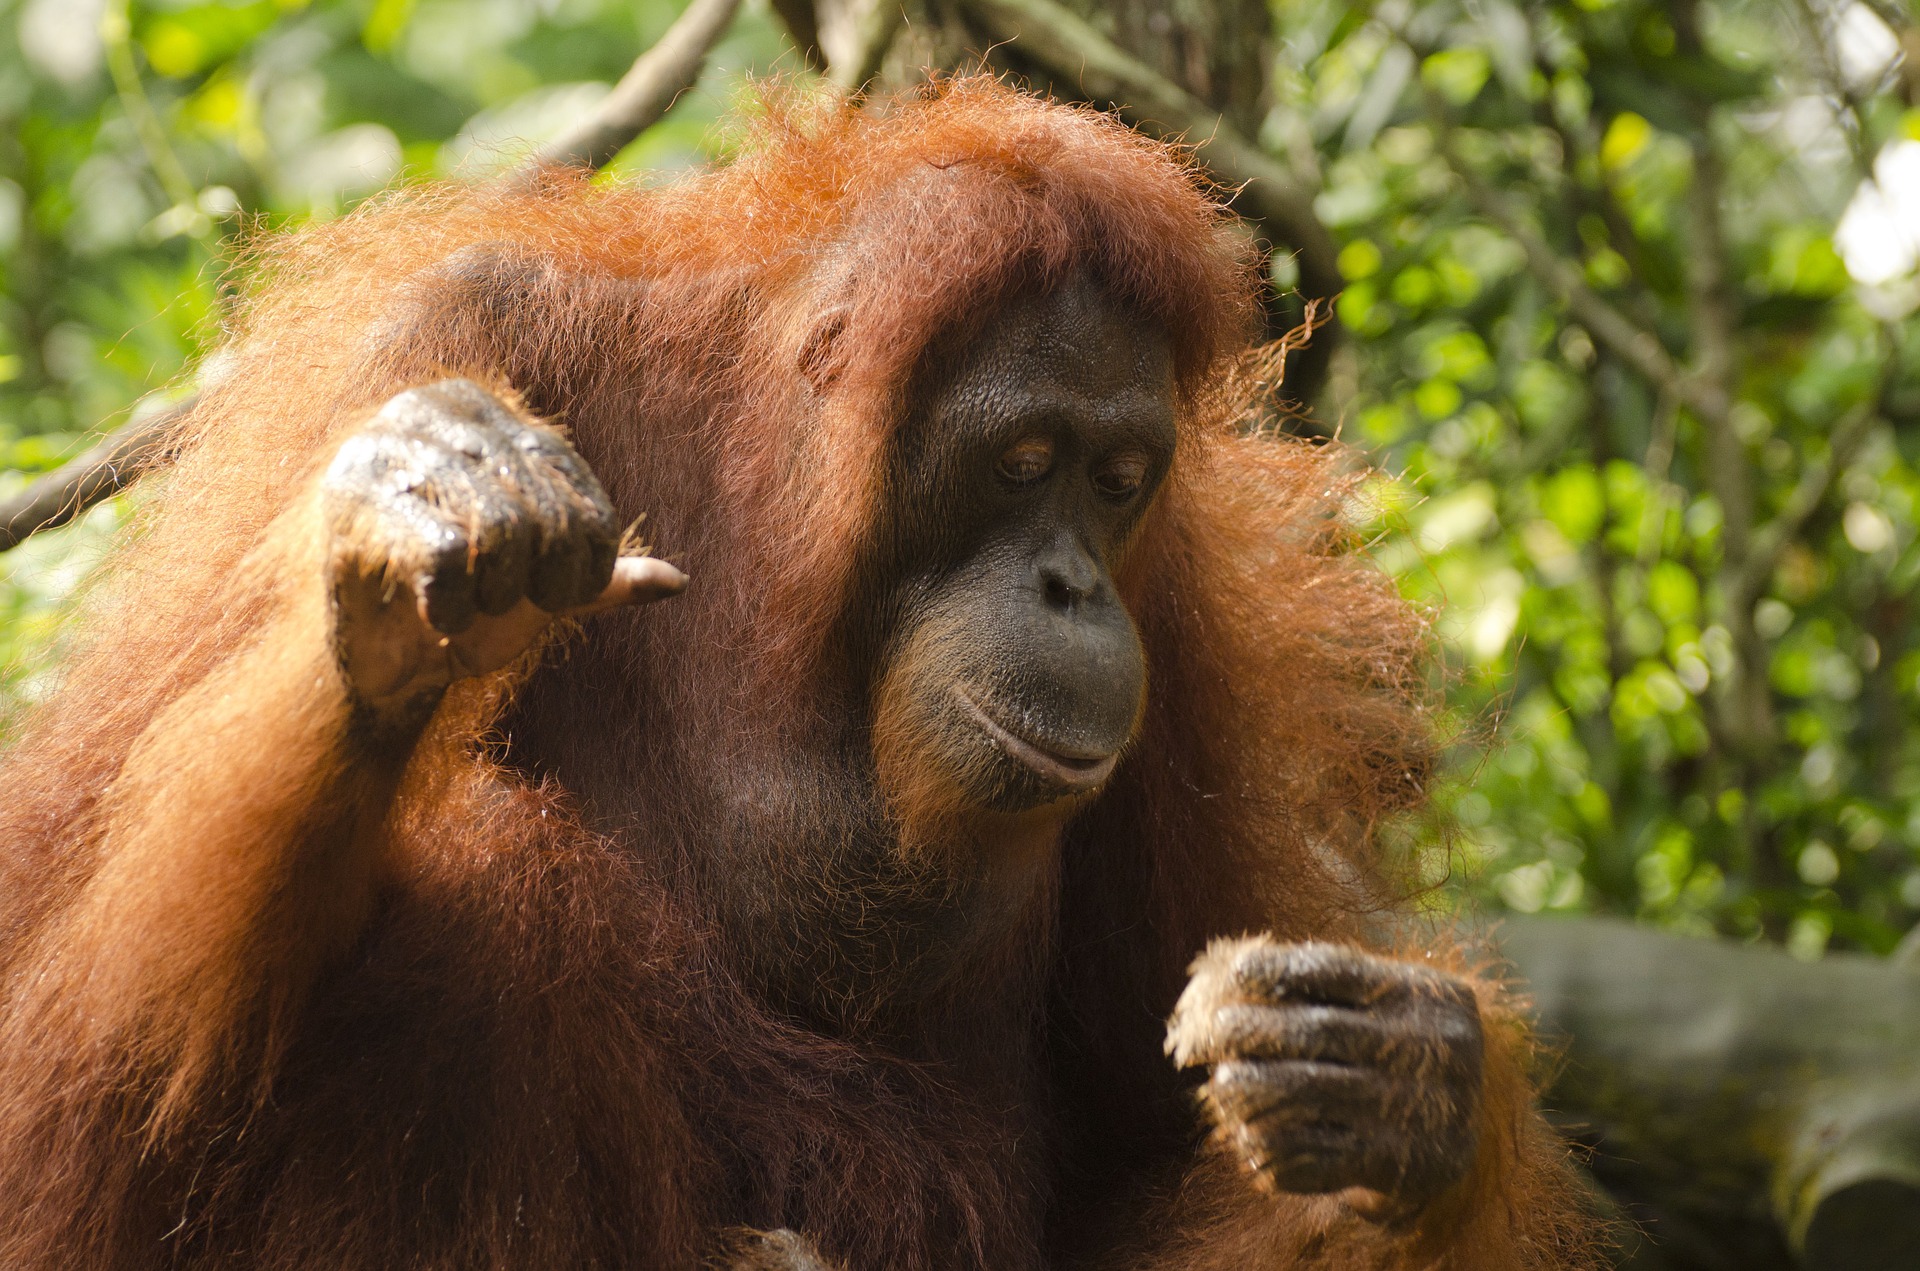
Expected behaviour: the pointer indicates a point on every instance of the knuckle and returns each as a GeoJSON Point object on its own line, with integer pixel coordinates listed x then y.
{"type": "Point", "coordinates": [1459, 993]}
{"type": "Point", "coordinates": [1228, 963]}
{"type": "Point", "coordinates": [1252, 957]}
{"type": "Point", "coordinates": [467, 440]}
{"type": "Point", "coordinates": [1286, 964]}
{"type": "Point", "coordinates": [544, 442]}
{"type": "Point", "coordinates": [1303, 1159]}
{"type": "Point", "coordinates": [357, 456]}
{"type": "Point", "coordinates": [424, 494]}
{"type": "Point", "coordinates": [562, 484]}
{"type": "Point", "coordinates": [1460, 1025]}
{"type": "Point", "coordinates": [457, 413]}
{"type": "Point", "coordinates": [1270, 1082]}
{"type": "Point", "coordinates": [446, 561]}
{"type": "Point", "coordinates": [1279, 1031]}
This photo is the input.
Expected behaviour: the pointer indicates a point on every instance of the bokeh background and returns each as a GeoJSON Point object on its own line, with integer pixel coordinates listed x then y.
{"type": "Point", "coordinates": [1677, 597]}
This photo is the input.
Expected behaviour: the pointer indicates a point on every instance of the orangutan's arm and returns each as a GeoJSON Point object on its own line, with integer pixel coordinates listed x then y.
{"type": "Point", "coordinates": [1369, 1113]}
{"type": "Point", "coordinates": [241, 840]}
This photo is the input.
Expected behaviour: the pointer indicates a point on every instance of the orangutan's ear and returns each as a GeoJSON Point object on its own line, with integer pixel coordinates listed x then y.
{"type": "Point", "coordinates": [820, 360]}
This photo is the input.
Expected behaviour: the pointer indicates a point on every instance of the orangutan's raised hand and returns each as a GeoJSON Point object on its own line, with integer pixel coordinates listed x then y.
{"type": "Point", "coordinates": [1333, 1069]}
{"type": "Point", "coordinates": [459, 527]}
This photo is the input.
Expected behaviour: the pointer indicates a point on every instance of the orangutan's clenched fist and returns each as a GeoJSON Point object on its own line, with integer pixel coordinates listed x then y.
{"type": "Point", "coordinates": [458, 528]}
{"type": "Point", "coordinates": [1334, 1069]}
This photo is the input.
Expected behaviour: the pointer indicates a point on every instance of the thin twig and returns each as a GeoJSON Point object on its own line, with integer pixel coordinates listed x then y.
{"type": "Point", "coordinates": [1658, 464]}
{"type": "Point", "coordinates": [116, 32]}
{"type": "Point", "coordinates": [1821, 35]}
{"type": "Point", "coordinates": [1709, 314]}
{"type": "Point", "coordinates": [1074, 52]}
{"type": "Point", "coordinates": [1633, 342]}
{"type": "Point", "coordinates": [1580, 149]}
{"type": "Point", "coordinates": [645, 93]}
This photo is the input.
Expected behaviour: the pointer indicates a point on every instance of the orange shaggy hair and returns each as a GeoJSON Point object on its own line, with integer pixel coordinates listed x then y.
{"type": "Point", "coordinates": [512, 1023]}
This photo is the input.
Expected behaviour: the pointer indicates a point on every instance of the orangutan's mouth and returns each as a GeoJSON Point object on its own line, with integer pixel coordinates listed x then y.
{"type": "Point", "coordinates": [1072, 772]}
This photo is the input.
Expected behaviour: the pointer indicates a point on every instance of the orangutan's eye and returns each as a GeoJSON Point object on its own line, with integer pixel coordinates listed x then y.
{"type": "Point", "coordinates": [1027, 460]}
{"type": "Point", "coordinates": [1121, 477]}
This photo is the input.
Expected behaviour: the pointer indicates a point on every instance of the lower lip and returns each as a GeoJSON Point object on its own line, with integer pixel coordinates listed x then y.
{"type": "Point", "coordinates": [1072, 774]}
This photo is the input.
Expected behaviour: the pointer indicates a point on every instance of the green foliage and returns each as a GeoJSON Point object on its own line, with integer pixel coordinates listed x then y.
{"type": "Point", "coordinates": [1664, 743]}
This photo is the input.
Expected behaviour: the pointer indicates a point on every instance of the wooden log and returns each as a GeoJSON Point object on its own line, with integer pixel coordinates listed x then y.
{"type": "Point", "coordinates": [1754, 1110]}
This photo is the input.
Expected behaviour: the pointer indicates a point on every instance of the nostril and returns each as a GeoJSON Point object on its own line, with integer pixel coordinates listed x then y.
{"type": "Point", "coordinates": [1059, 594]}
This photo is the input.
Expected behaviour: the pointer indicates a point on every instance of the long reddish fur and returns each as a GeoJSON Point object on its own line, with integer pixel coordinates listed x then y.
{"type": "Point", "coordinates": [494, 1028]}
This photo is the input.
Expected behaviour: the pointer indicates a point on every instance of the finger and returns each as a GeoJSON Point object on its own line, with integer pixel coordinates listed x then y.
{"type": "Point", "coordinates": [1302, 1126]}
{"type": "Point", "coordinates": [543, 448]}
{"type": "Point", "coordinates": [1257, 971]}
{"type": "Point", "coordinates": [503, 561]}
{"type": "Point", "coordinates": [1307, 1128]}
{"type": "Point", "coordinates": [444, 597]}
{"type": "Point", "coordinates": [637, 580]}
{"type": "Point", "coordinates": [440, 523]}
{"type": "Point", "coordinates": [430, 551]}
{"type": "Point", "coordinates": [1314, 972]}
{"type": "Point", "coordinates": [457, 398]}
{"type": "Point", "coordinates": [1304, 1158]}
{"type": "Point", "coordinates": [503, 537]}
{"type": "Point", "coordinates": [1337, 1034]}
{"type": "Point", "coordinates": [569, 495]}
{"type": "Point", "coordinates": [460, 433]}
{"type": "Point", "coordinates": [559, 580]}
{"type": "Point", "coordinates": [1264, 1089]}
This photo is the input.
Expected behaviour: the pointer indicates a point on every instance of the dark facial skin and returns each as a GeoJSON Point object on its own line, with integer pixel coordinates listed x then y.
{"type": "Point", "coordinates": [1021, 479]}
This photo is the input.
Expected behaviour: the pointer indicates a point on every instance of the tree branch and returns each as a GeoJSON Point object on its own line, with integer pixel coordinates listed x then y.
{"type": "Point", "coordinates": [112, 464]}
{"type": "Point", "coordinates": [645, 93]}
{"type": "Point", "coordinates": [1821, 36]}
{"type": "Point", "coordinates": [1075, 52]}
{"type": "Point", "coordinates": [1634, 343]}
{"type": "Point", "coordinates": [855, 36]}
{"type": "Point", "coordinates": [1709, 313]}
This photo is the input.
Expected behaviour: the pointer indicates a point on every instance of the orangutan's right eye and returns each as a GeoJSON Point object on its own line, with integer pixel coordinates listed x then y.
{"type": "Point", "coordinates": [1026, 461]}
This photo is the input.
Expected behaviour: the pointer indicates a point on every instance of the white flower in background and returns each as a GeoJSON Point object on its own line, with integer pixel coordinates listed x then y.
{"type": "Point", "coordinates": [1879, 234]}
